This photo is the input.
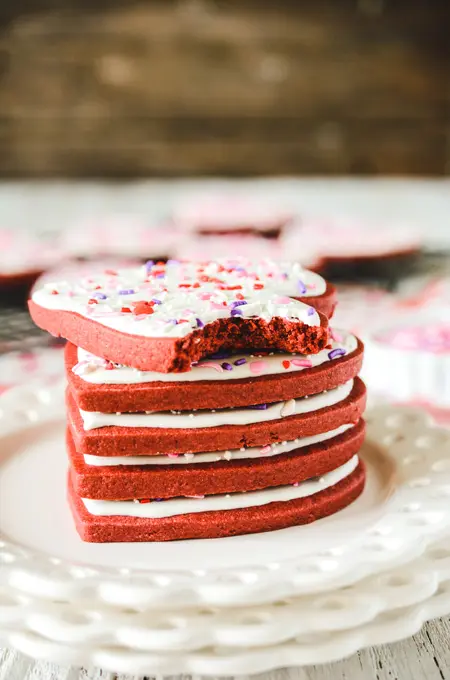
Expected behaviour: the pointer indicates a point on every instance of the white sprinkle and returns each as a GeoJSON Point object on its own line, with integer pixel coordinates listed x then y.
{"type": "Point", "coordinates": [288, 408]}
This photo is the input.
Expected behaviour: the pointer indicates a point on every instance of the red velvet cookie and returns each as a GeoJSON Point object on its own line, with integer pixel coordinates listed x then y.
{"type": "Point", "coordinates": [164, 318]}
{"type": "Point", "coordinates": [121, 482]}
{"type": "Point", "coordinates": [115, 440]}
{"type": "Point", "coordinates": [268, 517]}
{"type": "Point", "coordinates": [237, 380]}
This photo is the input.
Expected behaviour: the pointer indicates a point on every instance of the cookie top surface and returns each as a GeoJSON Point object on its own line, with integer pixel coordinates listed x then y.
{"type": "Point", "coordinates": [173, 299]}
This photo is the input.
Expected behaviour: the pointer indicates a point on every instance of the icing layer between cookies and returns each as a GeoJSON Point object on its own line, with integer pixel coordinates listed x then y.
{"type": "Point", "coordinates": [200, 419]}
{"type": "Point", "coordinates": [95, 370]}
{"type": "Point", "coordinates": [250, 499]}
{"type": "Point", "coordinates": [215, 456]}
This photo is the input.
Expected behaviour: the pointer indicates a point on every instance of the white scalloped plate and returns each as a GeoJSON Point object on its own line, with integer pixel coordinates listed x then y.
{"type": "Point", "coordinates": [404, 507]}
{"type": "Point", "coordinates": [306, 630]}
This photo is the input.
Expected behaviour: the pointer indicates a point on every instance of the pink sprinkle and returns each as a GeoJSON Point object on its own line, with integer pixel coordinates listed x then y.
{"type": "Point", "coordinates": [295, 484]}
{"type": "Point", "coordinates": [258, 367]}
{"type": "Point", "coordinates": [205, 296]}
{"type": "Point", "coordinates": [337, 337]}
{"type": "Point", "coordinates": [109, 366]}
{"type": "Point", "coordinates": [211, 364]}
{"type": "Point", "coordinates": [197, 496]}
{"type": "Point", "coordinates": [265, 450]}
{"type": "Point", "coordinates": [173, 455]}
{"type": "Point", "coordinates": [284, 300]}
{"type": "Point", "coordinates": [306, 363]}
{"type": "Point", "coordinates": [215, 305]}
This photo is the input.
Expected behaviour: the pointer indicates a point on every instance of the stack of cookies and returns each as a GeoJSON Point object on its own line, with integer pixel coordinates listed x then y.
{"type": "Point", "coordinates": [205, 400]}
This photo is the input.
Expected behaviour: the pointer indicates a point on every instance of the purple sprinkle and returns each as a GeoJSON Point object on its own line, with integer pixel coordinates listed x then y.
{"type": "Point", "coordinates": [148, 265]}
{"type": "Point", "coordinates": [174, 321]}
{"type": "Point", "coordinates": [157, 302]}
{"type": "Point", "coordinates": [159, 276]}
{"type": "Point", "coordinates": [301, 287]}
{"type": "Point", "coordinates": [236, 312]}
{"type": "Point", "coordinates": [99, 296]}
{"type": "Point", "coordinates": [311, 311]}
{"type": "Point", "coordinates": [200, 323]}
{"type": "Point", "coordinates": [336, 353]}
{"type": "Point", "coordinates": [259, 407]}
{"type": "Point", "coordinates": [239, 362]}
{"type": "Point", "coordinates": [173, 261]}
{"type": "Point", "coordinates": [238, 303]}
{"type": "Point", "coordinates": [127, 291]}
{"type": "Point", "coordinates": [226, 366]}
{"type": "Point", "coordinates": [220, 355]}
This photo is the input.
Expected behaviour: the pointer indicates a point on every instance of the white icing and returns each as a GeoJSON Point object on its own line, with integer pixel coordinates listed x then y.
{"type": "Point", "coordinates": [210, 418]}
{"type": "Point", "coordinates": [93, 369]}
{"type": "Point", "coordinates": [181, 309]}
{"type": "Point", "coordinates": [222, 502]}
{"type": "Point", "coordinates": [215, 456]}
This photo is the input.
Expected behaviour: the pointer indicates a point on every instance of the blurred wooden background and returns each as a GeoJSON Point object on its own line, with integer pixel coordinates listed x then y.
{"type": "Point", "coordinates": [92, 88]}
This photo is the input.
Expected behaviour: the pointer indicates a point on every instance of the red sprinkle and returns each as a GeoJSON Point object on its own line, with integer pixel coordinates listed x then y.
{"type": "Point", "coordinates": [184, 285]}
{"type": "Point", "coordinates": [286, 363]}
{"type": "Point", "coordinates": [143, 307]}
{"type": "Point", "coordinates": [55, 292]}
{"type": "Point", "coordinates": [239, 296]}
{"type": "Point", "coordinates": [110, 272]}
{"type": "Point", "coordinates": [92, 302]}
{"type": "Point", "coordinates": [258, 286]}
{"type": "Point", "coordinates": [126, 309]}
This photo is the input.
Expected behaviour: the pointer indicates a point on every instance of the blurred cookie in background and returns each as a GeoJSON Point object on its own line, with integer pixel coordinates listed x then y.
{"type": "Point", "coordinates": [24, 257]}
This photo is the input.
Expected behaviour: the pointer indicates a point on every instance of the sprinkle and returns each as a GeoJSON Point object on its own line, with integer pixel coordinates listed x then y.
{"type": "Point", "coordinates": [288, 408]}
{"type": "Point", "coordinates": [111, 272]}
{"type": "Point", "coordinates": [54, 292]}
{"type": "Point", "coordinates": [240, 362]}
{"type": "Point", "coordinates": [239, 296]}
{"type": "Point", "coordinates": [100, 296]}
{"type": "Point", "coordinates": [311, 311]}
{"type": "Point", "coordinates": [301, 287]}
{"type": "Point", "coordinates": [127, 291]}
{"type": "Point", "coordinates": [226, 366]}
{"type": "Point", "coordinates": [220, 355]}
{"type": "Point", "coordinates": [258, 286]}
{"type": "Point", "coordinates": [295, 484]}
{"type": "Point", "coordinates": [92, 302]}
{"type": "Point", "coordinates": [196, 496]}
{"type": "Point", "coordinates": [305, 363]}
{"type": "Point", "coordinates": [211, 364]}
{"type": "Point", "coordinates": [238, 303]}
{"type": "Point", "coordinates": [337, 337]}
{"type": "Point", "coordinates": [338, 352]}
{"type": "Point", "coordinates": [173, 455]}
{"type": "Point", "coordinates": [148, 265]}
{"type": "Point", "coordinates": [286, 363]}
{"type": "Point", "coordinates": [200, 323]}
{"type": "Point", "coordinates": [258, 367]}
{"type": "Point", "coordinates": [227, 455]}
{"type": "Point", "coordinates": [126, 310]}
{"type": "Point", "coordinates": [258, 407]}
{"type": "Point", "coordinates": [283, 300]}
{"type": "Point", "coordinates": [156, 301]}
{"type": "Point", "coordinates": [265, 450]}
{"type": "Point", "coordinates": [143, 308]}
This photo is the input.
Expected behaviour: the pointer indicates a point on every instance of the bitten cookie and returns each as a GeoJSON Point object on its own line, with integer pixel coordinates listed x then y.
{"type": "Point", "coordinates": [164, 318]}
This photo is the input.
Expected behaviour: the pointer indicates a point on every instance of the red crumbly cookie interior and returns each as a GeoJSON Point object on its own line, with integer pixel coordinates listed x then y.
{"type": "Point", "coordinates": [217, 524]}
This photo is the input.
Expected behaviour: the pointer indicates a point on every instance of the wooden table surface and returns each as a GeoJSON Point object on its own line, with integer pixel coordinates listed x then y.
{"type": "Point", "coordinates": [426, 656]}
